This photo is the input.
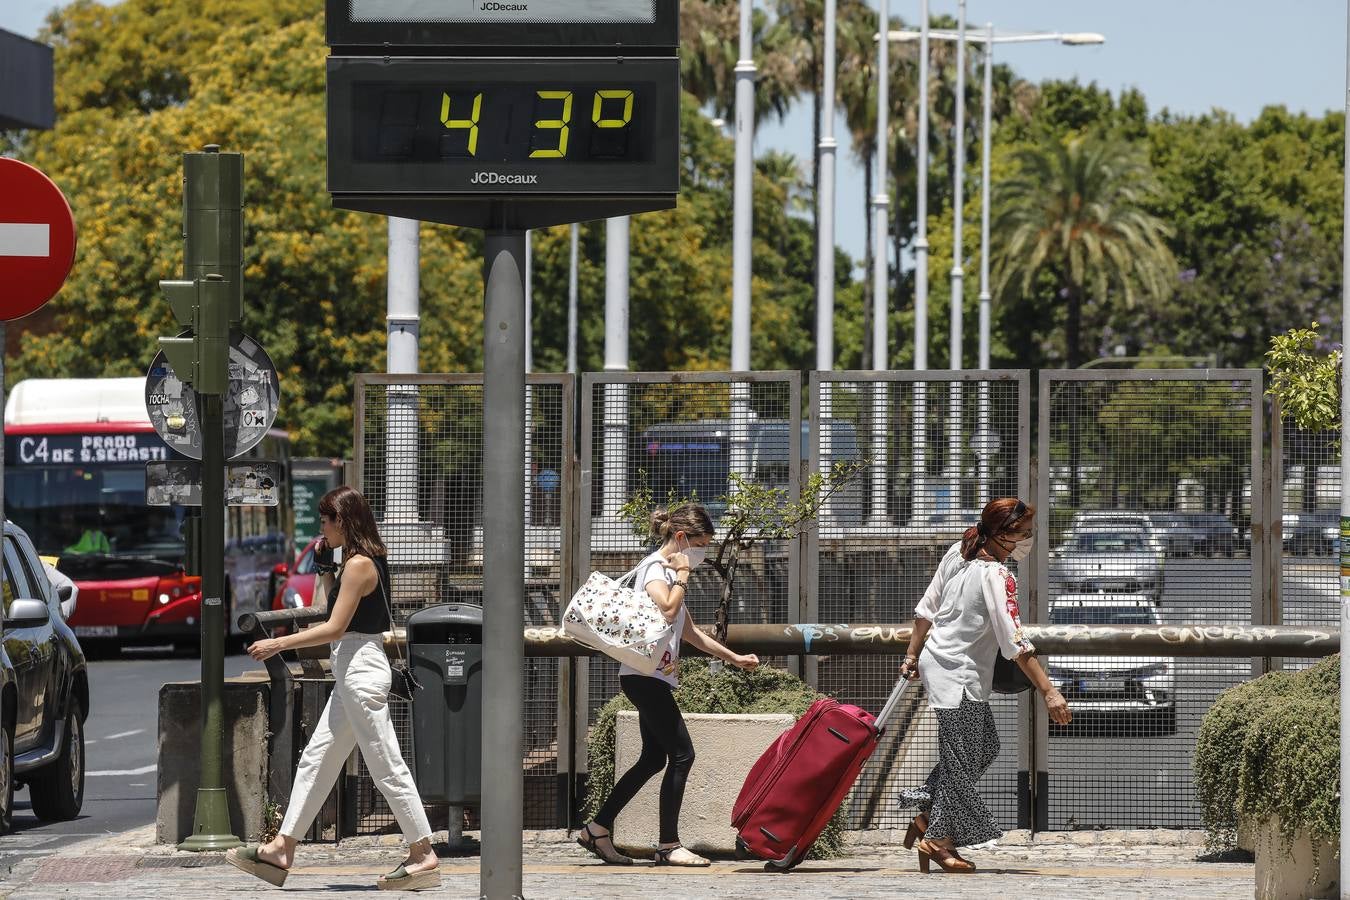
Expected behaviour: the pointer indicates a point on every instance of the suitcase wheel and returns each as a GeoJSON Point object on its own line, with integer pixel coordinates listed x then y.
{"type": "Point", "coordinates": [786, 864]}
{"type": "Point", "coordinates": [742, 849]}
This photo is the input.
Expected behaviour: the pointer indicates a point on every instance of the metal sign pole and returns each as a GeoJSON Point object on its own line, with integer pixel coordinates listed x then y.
{"type": "Point", "coordinates": [1345, 502]}
{"type": "Point", "coordinates": [212, 202]}
{"type": "Point", "coordinates": [503, 736]}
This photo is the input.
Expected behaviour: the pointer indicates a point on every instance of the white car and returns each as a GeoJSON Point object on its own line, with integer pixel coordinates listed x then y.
{"type": "Point", "coordinates": [1120, 518]}
{"type": "Point", "coordinates": [1114, 685]}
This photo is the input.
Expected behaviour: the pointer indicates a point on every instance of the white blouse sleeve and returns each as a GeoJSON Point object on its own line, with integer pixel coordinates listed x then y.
{"type": "Point", "coordinates": [1000, 600]}
{"type": "Point", "coordinates": [932, 598]}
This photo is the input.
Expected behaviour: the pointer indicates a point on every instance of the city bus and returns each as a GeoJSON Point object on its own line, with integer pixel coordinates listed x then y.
{"type": "Point", "coordinates": [76, 451]}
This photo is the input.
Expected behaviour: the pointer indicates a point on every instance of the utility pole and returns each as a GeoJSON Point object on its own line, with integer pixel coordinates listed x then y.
{"type": "Point", "coordinates": [211, 304]}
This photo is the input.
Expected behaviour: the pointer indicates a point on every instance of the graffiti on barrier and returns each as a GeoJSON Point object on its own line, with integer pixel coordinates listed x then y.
{"type": "Point", "coordinates": [1181, 634]}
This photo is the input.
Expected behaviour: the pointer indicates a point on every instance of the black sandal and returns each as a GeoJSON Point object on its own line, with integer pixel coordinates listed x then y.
{"type": "Point", "coordinates": [591, 841]}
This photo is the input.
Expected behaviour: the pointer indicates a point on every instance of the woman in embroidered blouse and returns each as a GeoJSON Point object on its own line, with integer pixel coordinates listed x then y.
{"type": "Point", "coordinates": [968, 614]}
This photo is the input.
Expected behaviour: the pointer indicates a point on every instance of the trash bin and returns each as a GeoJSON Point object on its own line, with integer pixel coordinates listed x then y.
{"type": "Point", "coordinates": [445, 648]}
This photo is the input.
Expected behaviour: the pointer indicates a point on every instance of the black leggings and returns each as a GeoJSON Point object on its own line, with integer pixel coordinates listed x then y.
{"type": "Point", "coordinates": [664, 737]}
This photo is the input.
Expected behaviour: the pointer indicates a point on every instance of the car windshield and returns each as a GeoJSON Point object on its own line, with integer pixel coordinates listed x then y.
{"type": "Point", "coordinates": [1100, 615]}
{"type": "Point", "coordinates": [94, 518]}
{"type": "Point", "coordinates": [305, 564]}
{"type": "Point", "coordinates": [1110, 542]}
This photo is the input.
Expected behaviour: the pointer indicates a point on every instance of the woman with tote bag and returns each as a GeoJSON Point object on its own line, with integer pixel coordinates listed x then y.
{"type": "Point", "coordinates": [685, 533]}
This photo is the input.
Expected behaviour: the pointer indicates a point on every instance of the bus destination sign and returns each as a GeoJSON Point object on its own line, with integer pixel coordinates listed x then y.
{"type": "Point", "coordinates": [83, 449]}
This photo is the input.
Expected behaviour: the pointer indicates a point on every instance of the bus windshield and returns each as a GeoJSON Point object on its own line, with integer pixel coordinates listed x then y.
{"type": "Point", "coordinates": [95, 517]}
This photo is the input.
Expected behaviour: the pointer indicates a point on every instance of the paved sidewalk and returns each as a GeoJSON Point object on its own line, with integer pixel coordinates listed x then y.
{"type": "Point", "coordinates": [1090, 865]}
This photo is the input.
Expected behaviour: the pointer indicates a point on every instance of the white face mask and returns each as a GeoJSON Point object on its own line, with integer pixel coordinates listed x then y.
{"type": "Point", "coordinates": [696, 555]}
{"type": "Point", "coordinates": [1020, 550]}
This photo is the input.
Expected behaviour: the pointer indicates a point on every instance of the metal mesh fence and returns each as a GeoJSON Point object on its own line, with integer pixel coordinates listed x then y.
{"type": "Point", "coordinates": [420, 464]}
{"type": "Point", "coordinates": [1147, 502]}
{"type": "Point", "coordinates": [1308, 499]}
{"type": "Point", "coordinates": [682, 435]}
{"type": "Point", "coordinates": [936, 451]}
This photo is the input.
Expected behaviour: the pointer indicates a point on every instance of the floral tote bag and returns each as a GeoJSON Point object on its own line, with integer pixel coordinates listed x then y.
{"type": "Point", "coordinates": [618, 619]}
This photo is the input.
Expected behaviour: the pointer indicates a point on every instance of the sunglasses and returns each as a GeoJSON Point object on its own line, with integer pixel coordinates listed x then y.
{"type": "Point", "coordinates": [1018, 512]}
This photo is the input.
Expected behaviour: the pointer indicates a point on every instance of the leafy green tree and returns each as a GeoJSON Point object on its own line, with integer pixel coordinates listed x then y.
{"type": "Point", "coordinates": [1078, 209]}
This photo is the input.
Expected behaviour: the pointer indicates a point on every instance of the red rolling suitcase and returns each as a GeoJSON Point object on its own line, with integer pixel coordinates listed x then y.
{"type": "Point", "coordinates": [797, 784]}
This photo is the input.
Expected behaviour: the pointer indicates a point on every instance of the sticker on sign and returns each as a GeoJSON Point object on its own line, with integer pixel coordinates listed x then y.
{"type": "Point", "coordinates": [525, 11]}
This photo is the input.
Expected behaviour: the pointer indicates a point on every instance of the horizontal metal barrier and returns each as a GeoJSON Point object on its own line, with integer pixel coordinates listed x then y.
{"type": "Point", "coordinates": [824, 640]}
{"type": "Point", "coordinates": [1095, 640]}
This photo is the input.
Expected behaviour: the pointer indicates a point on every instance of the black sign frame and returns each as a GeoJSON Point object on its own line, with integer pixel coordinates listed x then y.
{"type": "Point", "coordinates": [658, 174]}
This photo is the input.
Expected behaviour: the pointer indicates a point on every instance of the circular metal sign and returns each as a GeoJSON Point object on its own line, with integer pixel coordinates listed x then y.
{"type": "Point", "coordinates": [250, 402]}
{"type": "Point", "coordinates": [37, 239]}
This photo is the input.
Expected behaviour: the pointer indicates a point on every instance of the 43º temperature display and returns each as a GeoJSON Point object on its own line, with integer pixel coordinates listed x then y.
{"type": "Point", "coordinates": [503, 122]}
{"type": "Point", "coordinates": [495, 125]}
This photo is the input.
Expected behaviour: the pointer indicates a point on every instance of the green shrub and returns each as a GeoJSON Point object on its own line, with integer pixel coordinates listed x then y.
{"type": "Point", "coordinates": [731, 690]}
{"type": "Point", "coordinates": [1270, 748]}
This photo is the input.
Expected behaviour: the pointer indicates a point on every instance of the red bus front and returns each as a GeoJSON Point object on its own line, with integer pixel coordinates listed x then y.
{"type": "Point", "coordinates": [79, 492]}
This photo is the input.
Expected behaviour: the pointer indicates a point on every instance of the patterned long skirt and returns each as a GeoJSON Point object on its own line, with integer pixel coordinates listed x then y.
{"type": "Point", "coordinates": [967, 746]}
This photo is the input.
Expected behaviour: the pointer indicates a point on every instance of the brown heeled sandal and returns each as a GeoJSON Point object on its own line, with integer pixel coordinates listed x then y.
{"type": "Point", "coordinates": [945, 857]}
{"type": "Point", "coordinates": [917, 829]}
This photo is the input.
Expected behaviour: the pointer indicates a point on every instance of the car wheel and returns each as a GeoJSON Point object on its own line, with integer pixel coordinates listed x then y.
{"type": "Point", "coordinates": [6, 778]}
{"type": "Point", "coordinates": [57, 790]}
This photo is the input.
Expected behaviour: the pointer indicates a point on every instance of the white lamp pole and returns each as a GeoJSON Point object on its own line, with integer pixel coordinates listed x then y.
{"type": "Point", "coordinates": [989, 38]}
{"type": "Point", "coordinates": [825, 237]}
{"type": "Point", "coordinates": [955, 417]}
{"type": "Point", "coordinates": [742, 209]}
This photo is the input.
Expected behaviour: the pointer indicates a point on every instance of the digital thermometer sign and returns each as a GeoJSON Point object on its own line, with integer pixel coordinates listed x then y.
{"type": "Point", "coordinates": [496, 126]}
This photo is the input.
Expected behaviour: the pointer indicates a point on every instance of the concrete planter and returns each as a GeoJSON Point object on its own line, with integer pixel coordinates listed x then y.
{"type": "Point", "coordinates": [1287, 874]}
{"type": "Point", "coordinates": [725, 747]}
{"type": "Point", "coordinates": [244, 704]}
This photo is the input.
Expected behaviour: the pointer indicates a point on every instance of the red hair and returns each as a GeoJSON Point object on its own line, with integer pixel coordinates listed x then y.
{"type": "Point", "coordinates": [999, 517]}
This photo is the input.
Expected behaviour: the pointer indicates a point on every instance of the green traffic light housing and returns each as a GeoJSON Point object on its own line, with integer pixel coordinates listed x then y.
{"type": "Point", "coordinates": [203, 307]}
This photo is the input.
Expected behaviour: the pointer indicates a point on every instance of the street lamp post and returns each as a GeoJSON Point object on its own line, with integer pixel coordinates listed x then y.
{"type": "Point", "coordinates": [988, 39]}
{"type": "Point", "coordinates": [954, 392]}
{"type": "Point", "coordinates": [880, 280]}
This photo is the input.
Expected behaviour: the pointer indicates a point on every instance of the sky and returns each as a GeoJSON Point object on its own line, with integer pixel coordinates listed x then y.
{"type": "Point", "coordinates": [1189, 56]}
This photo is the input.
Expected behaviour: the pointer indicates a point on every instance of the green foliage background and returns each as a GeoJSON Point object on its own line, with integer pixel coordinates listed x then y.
{"type": "Point", "coordinates": [1254, 211]}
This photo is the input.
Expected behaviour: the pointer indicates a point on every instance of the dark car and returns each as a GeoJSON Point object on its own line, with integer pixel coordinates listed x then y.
{"type": "Point", "coordinates": [44, 691]}
{"type": "Point", "coordinates": [1314, 533]}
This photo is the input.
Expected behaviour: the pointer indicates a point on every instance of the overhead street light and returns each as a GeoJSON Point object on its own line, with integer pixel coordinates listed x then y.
{"type": "Point", "coordinates": [962, 37]}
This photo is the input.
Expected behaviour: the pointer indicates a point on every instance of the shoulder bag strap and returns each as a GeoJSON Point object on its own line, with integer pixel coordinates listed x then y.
{"type": "Point", "coordinates": [389, 607]}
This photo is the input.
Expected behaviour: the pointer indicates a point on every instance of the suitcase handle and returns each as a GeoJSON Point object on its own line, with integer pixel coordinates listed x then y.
{"type": "Point", "coordinates": [896, 693]}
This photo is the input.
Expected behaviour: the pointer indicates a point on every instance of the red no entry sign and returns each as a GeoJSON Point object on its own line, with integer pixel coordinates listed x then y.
{"type": "Point", "coordinates": [37, 239]}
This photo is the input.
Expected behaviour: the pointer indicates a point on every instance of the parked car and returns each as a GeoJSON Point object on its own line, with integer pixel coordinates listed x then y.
{"type": "Point", "coordinates": [297, 580]}
{"type": "Point", "coordinates": [1114, 685]}
{"type": "Point", "coordinates": [1315, 533]}
{"type": "Point", "coordinates": [1122, 518]}
{"type": "Point", "coordinates": [1196, 533]}
{"type": "Point", "coordinates": [44, 691]}
{"type": "Point", "coordinates": [1115, 559]}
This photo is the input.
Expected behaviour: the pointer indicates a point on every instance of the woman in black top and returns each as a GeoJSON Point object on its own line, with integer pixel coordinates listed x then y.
{"type": "Point", "coordinates": [357, 714]}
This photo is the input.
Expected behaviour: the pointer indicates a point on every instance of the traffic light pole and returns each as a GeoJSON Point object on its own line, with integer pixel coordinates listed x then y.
{"type": "Point", "coordinates": [503, 738]}
{"type": "Point", "coordinates": [213, 258]}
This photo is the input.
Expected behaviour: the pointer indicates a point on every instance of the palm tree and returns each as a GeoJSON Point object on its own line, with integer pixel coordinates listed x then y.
{"type": "Point", "coordinates": [710, 31]}
{"type": "Point", "coordinates": [1078, 210]}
